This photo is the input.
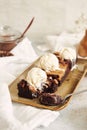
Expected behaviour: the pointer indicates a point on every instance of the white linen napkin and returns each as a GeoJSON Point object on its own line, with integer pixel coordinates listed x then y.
{"type": "Point", "coordinates": [14, 116]}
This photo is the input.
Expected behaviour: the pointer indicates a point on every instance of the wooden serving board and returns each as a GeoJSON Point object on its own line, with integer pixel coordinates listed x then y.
{"type": "Point", "coordinates": [68, 86]}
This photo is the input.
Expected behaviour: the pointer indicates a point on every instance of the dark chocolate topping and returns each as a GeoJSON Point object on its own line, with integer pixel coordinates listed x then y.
{"type": "Point", "coordinates": [24, 90]}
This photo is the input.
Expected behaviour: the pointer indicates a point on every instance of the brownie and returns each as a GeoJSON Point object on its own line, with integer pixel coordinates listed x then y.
{"type": "Point", "coordinates": [24, 90]}
{"type": "Point", "coordinates": [50, 99]}
{"type": "Point", "coordinates": [52, 84]}
{"type": "Point", "coordinates": [60, 75]}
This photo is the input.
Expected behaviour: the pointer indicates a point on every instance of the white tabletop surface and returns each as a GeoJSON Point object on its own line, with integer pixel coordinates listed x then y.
{"type": "Point", "coordinates": [58, 15]}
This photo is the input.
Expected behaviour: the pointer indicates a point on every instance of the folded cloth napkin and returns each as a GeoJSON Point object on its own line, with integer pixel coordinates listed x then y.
{"type": "Point", "coordinates": [14, 116]}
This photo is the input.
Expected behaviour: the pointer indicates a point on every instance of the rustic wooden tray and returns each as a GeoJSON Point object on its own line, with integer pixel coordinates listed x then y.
{"type": "Point", "coordinates": [68, 86]}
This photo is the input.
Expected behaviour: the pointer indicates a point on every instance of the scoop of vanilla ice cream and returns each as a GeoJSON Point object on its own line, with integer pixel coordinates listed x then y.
{"type": "Point", "coordinates": [48, 62]}
{"type": "Point", "coordinates": [67, 53]}
{"type": "Point", "coordinates": [36, 77]}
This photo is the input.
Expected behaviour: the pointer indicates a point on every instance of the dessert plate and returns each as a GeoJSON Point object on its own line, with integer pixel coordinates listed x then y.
{"type": "Point", "coordinates": [69, 85]}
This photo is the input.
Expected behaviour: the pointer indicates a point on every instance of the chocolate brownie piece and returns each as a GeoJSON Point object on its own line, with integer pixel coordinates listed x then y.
{"type": "Point", "coordinates": [52, 84]}
{"type": "Point", "coordinates": [50, 99]}
{"type": "Point", "coordinates": [24, 90]}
